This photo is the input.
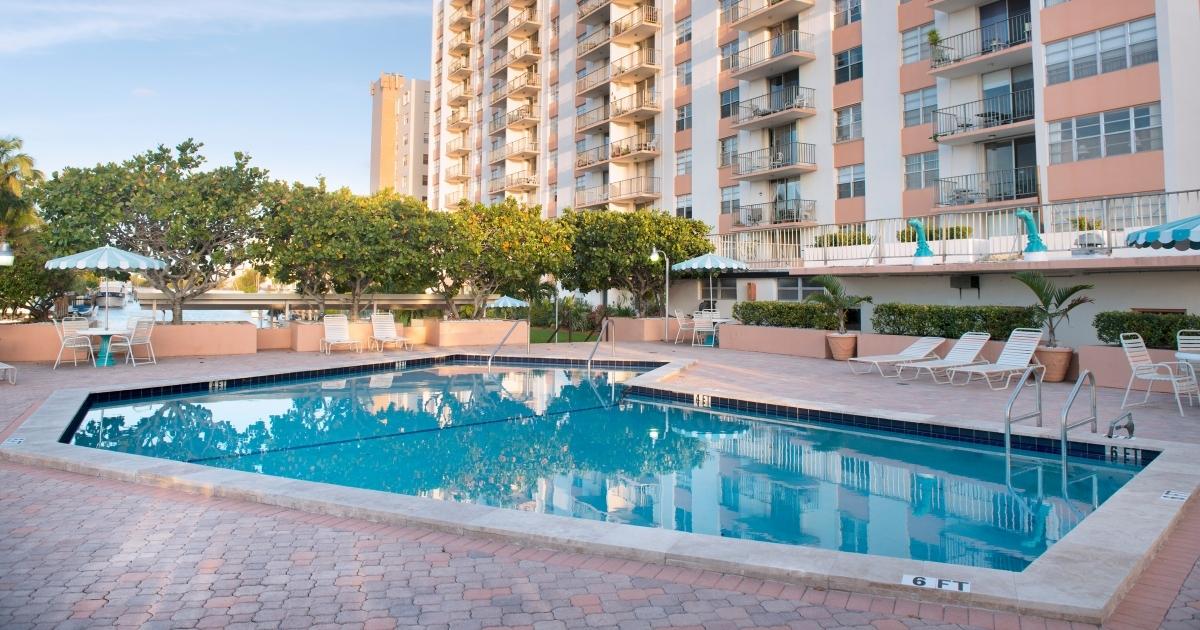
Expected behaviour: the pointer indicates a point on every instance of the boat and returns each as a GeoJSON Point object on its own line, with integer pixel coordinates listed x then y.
{"type": "Point", "coordinates": [110, 293]}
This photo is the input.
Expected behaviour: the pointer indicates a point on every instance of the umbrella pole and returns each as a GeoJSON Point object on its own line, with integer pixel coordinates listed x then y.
{"type": "Point", "coordinates": [106, 302]}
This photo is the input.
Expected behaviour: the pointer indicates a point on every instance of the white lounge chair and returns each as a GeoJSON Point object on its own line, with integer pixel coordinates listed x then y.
{"type": "Point", "coordinates": [685, 325]}
{"type": "Point", "coordinates": [139, 335]}
{"type": "Point", "coordinates": [383, 332]}
{"type": "Point", "coordinates": [69, 339]}
{"type": "Point", "coordinates": [1180, 374]}
{"type": "Point", "coordinates": [1012, 362]}
{"type": "Point", "coordinates": [922, 348]}
{"type": "Point", "coordinates": [337, 333]}
{"type": "Point", "coordinates": [8, 373]}
{"type": "Point", "coordinates": [965, 352]}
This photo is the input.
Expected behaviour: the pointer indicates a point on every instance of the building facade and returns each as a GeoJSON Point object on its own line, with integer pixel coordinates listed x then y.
{"type": "Point", "coordinates": [400, 135]}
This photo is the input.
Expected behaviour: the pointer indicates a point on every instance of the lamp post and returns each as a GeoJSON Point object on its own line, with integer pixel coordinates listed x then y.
{"type": "Point", "coordinates": [654, 256]}
{"type": "Point", "coordinates": [6, 254]}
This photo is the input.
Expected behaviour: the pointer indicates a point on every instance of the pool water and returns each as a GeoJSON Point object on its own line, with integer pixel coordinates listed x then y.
{"type": "Point", "coordinates": [559, 441]}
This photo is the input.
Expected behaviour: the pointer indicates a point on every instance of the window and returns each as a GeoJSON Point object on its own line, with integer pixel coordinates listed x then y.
{"type": "Point", "coordinates": [848, 65]}
{"type": "Point", "coordinates": [1107, 50]}
{"type": "Point", "coordinates": [729, 56]}
{"type": "Point", "coordinates": [554, 27]}
{"type": "Point", "coordinates": [921, 170]}
{"type": "Point", "coordinates": [683, 117]}
{"type": "Point", "coordinates": [852, 181]}
{"type": "Point", "coordinates": [683, 30]}
{"type": "Point", "coordinates": [683, 206]}
{"type": "Point", "coordinates": [847, 12]}
{"type": "Point", "coordinates": [793, 289]}
{"type": "Point", "coordinates": [915, 43]}
{"type": "Point", "coordinates": [849, 123]}
{"type": "Point", "coordinates": [919, 106]}
{"type": "Point", "coordinates": [554, 59]}
{"type": "Point", "coordinates": [727, 148]}
{"type": "Point", "coordinates": [683, 73]}
{"type": "Point", "coordinates": [731, 199]}
{"type": "Point", "coordinates": [729, 102]}
{"type": "Point", "coordinates": [722, 289]}
{"type": "Point", "coordinates": [683, 162]}
{"type": "Point", "coordinates": [1115, 132]}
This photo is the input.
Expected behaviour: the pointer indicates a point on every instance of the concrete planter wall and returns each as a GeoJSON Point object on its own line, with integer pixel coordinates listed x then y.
{"type": "Point", "coordinates": [643, 328]}
{"type": "Point", "coordinates": [442, 333]}
{"type": "Point", "coordinates": [274, 338]}
{"type": "Point", "coordinates": [39, 342]}
{"type": "Point", "coordinates": [798, 342]}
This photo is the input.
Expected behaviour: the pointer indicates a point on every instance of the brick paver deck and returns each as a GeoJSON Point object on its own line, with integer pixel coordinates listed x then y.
{"type": "Point", "coordinates": [77, 551]}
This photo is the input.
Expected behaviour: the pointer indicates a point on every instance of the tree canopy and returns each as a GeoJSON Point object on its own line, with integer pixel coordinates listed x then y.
{"type": "Point", "coordinates": [17, 176]}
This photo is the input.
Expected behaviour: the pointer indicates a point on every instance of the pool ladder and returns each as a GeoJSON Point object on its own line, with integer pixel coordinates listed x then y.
{"type": "Point", "coordinates": [604, 329]}
{"type": "Point", "coordinates": [501, 344]}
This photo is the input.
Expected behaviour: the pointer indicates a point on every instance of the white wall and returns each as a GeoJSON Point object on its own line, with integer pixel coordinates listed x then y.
{"type": "Point", "coordinates": [882, 106]}
{"type": "Point", "coordinates": [1178, 52]}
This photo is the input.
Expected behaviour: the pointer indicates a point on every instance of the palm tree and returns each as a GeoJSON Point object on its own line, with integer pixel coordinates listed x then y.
{"type": "Point", "coordinates": [1054, 303]}
{"type": "Point", "coordinates": [17, 174]}
{"type": "Point", "coordinates": [835, 300]}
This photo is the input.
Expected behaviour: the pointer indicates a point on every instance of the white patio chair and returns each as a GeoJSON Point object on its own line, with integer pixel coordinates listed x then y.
{"type": "Point", "coordinates": [8, 373]}
{"type": "Point", "coordinates": [965, 352]}
{"type": "Point", "coordinates": [383, 332]}
{"type": "Point", "coordinates": [1014, 359]}
{"type": "Point", "coordinates": [139, 335]}
{"type": "Point", "coordinates": [922, 348]}
{"type": "Point", "coordinates": [337, 333]}
{"type": "Point", "coordinates": [69, 339]}
{"type": "Point", "coordinates": [704, 330]}
{"type": "Point", "coordinates": [1179, 374]}
{"type": "Point", "coordinates": [685, 325]}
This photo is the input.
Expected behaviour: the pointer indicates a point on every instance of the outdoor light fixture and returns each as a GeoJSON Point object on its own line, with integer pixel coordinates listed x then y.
{"type": "Point", "coordinates": [655, 256]}
{"type": "Point", "coordinates": [6, 255]}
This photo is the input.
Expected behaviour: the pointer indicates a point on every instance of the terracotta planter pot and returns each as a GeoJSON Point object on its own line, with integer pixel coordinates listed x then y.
{"type": "Point", "coordinates": [842, 347]}
{"type": "Point", "coordinates": [1057, 362]}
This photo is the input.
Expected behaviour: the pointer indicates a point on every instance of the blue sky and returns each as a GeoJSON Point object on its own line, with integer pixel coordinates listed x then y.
{"type": "Point", "coordinates": [286, 81]}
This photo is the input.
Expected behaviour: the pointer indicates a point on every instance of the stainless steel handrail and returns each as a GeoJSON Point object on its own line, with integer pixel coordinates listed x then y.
{"type": "Point", "coordinates": [1031, 372]}
{"type": "Point", "coordinates": [596, 346]}
{"type": "Point", "coordinates": [501, 344]}
{"type": "Point", "coordinates": [1065, 425]}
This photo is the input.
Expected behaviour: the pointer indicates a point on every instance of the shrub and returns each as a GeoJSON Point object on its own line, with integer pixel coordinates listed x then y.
{"type": "Point", "coordinates": [785, 314]}
{"type": "Point", "coordinates": [1158, 330]}
{"type": "Point", "coordinates": [909, 235]}
{"type": "Point", "coordinates": [951, 322]}
{"type": "Point", "coordinates": [845, 237]}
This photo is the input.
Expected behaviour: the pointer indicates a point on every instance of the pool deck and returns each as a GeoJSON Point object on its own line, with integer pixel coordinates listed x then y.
{"type": "Point", "coordinates": [50, 519]}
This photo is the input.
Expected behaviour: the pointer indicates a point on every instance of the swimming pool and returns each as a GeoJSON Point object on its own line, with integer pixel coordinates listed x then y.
{"type": "Point", "coordinates": [558, 441]}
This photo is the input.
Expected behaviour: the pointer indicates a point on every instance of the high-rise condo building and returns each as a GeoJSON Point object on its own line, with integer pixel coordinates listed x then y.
{"type": "Point", "coordinates": [400, 135]}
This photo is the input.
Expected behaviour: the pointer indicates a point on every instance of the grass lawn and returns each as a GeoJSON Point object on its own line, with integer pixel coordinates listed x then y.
{"type": "Point", "coordinates": [546, 335]}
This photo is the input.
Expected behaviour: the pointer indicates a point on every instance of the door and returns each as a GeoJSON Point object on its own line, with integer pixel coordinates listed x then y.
{"type": "Point", "coordinates": [783, 90]}
{"type": "Point", "coordinates": [782, 141]}
{"type": "Point", "coordinates": [993, 26]}
{"type": "Point", "coordinates": [997, 99]}
{"type": "Point", "coordinates": [1011, 169]}
{"type": "Point", "coordinates": [786, 206]}
{"type": "Point", "coordinates": [1022, 92]}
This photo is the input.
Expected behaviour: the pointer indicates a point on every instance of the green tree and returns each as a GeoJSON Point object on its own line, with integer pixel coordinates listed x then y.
{"type": "Point", "coordinates": [28, 286]}
{"type": "Point", "coordinates": [17, 175]}
{"type": "Point", "coordinates": [835, 300]}
{"type": "Point", "coordinates": [161, 204]}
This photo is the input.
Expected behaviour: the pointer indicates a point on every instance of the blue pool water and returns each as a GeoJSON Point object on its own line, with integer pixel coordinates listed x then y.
{"type": "Point", "coordinates": [560, 442]}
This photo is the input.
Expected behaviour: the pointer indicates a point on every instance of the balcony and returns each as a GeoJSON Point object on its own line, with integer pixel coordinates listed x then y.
{"type": "Point", "coordinates": [993, 47]}
{"type": "Point", "coordinates": [458, 4]}
{"type": "Point", "coordinates": [524, 86]}
{"type": "Point", "coordinates": [636, 66]}
{"type": "Point", "coordinates": [593, 158]}
{"type": "Point", "coordinates": [461, 19]}
{"type": "Point", "coordinates": [459, 95]}
{"type": "Point", "coordinates": [524, 55]}
{"type": "Point", "coordinates": [523, 117]}
{"type": "Point", "coordinates": [458, 147]}
{"type": "Point", "coordinates": [991, 187]}
{"type": "Point", "coordinates": [591, 197]}
{"type": "Point", "coordinates": [524, 181]}
{"type": "Point", "coordinates": [588, 7]}
{"type": "Point", "coordinates": [775, 162]}
{"type": "Point", "coordinates": [496, 184]}
{"type": "Point", "coordinates": [457, 174]}
{"type": "Point", "coordinates": [634, 149]}
{"type": "Point", "coordinates": [593, 43]}
{"type": "Point", "coordinates": [640, 23]}
{"type": "Point", "coordinates": [459, 120]}
{"type": "Point", "coordinates": [783, 106]}
{"type": "Point", "coordinates": [453, 199]}
{"type": "Point", "coordinates": [521, 25]}
{"type": "Point", "coordinates": [950, 6]}
{"type": "Point", "coordinates": [775, 56]}
{"type": "Point", "coordinates": [495, 154]}
{"type": "Point", "coordinates": [591, 118]}
{"type": "Point", "coordinates": [594, 80]}
{"type": "Point", "coordinates": [636, 107]}
{"type": "Point", "coordinates": [497, 7]}
{"type": "Point", "coordinates": [460, 69]}
{"type": "Point", "coordinates": [777, 212]}
{"type": "Point", "coordinates": [523, 149]}
{"type": "Point", "coordinates": [1002, 116]}
{"type": "Point", "coordinates": [751, 15]}
{"type": "Point", "coordinates": [635, 190]}
{"type": "Point", "coordinates": [461, 45]}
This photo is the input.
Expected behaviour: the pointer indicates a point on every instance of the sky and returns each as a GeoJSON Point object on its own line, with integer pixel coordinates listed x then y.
{"type": "Point", "coordinates": [285, 81]}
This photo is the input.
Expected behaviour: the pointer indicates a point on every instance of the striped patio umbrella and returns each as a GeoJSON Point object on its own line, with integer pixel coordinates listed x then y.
{"type": "Point", "coordinates": [104, 258]}
{"type": "Point", "coordinates": [507, 302]}
{"type": "Point", "coordinates": [711, 263]}
{"type": "Point", "coordinates": [1183, 234]}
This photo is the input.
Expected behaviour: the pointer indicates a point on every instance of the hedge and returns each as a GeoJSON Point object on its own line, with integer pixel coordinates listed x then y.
{"type": "Point", "coordinates": [786, 314]}
{"type": "Point", "coordinates": [842, 238]}
{"type": "Point", "coordinates": [951, 322]}
{"type": "Point", "coordinates": [909, 235]}
{"type": "Point", "coordinates": [1157, 330]}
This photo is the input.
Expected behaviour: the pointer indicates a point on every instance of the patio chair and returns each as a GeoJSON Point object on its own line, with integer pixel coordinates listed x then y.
{"type": "Point", "coordinates": [704, 330]}
{"type": "Point", "coordinates": [922, 348]}
{"type": "Point", "coordinates": [8, 373]}
{"type": "Point", "coordinates": [965, 352]}
{"type": "Point", "coordinates": [685, 325]}
{"type": "Point", "coordinates": [383, 332]}
{"type": "Point", "coordinates": [337, 333]}
{"type": "Point", "coordinates": [1180, 374]}
{"type": "Point", "coordinates": [139, 335]}
{"type": "Point", "coordinates": [1188, 341]}
{"type": "Point", "coordinates": [69, 339]}
{"type": "Point", "coordinates": [1012, 362]}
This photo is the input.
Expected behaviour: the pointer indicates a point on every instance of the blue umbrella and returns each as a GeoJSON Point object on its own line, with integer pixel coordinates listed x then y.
{"type": "Point", "coordinates": [106, 258]}
{"type": "Point", "coordinates": [1183, 234]}
{"type": "Point", "coordinates": [507, 302]}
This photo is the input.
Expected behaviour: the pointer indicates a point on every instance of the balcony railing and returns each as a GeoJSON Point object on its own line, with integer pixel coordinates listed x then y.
{"type": "Point", "coordinates": [643, 99]}
{"type": "Point", "coordinates": [593, 79]}
{"type": "Point", "coordinates": [592, 42]}
{"type": "Point", "coordinates": [529, 47]}
{"type": "Point", "coordinates": [635, 187]}
{"type": "Point", "coordinates": [587, 7]}
{"type": "Point", "coordinates": [776, 157]}
{"type": "Point", "coordinates": [787, 43]}
{"type": "Point", "coordinates": [458, 117]}
{"type": "Point", "coordinates": [593, 196]}
{"type": "Point", "coordinates": [778, 211]}
{"type": "Point", "coordinates": [592, 157]}
{"type": "Point", "coordinates": [993, 111]}
{"type": "Point", "coordinates": [1014, 31]}
{"type": "Point", "coordinates": [645, 14]}
{"type": "Point", "coordinates": [738, 11]}
{"type": "Point", "coordinates": [502, 90]}
{"type": "Point", "coordinates": [524, 179]}
{"type": "Point", "coordinates": [640, 143]}
{"type": "Point", "coordinates": [593, 116]}
{"type": "Point", "coordinates": [496, 184]}
{"type": "Point", "coordinates": [522, 146]}
{"type": "Point", "coordinates": [461, 43]}
{"type": "Point", "coordinates": [524, 17]}
{"type": "Point", "coordinates": [1005, 185]}
{"type": "Point", "coordinates": [788, 98]}
{"type": "Point", "coordinates": [640, 57]}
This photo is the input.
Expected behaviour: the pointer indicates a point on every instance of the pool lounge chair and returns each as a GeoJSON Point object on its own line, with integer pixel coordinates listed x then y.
{"type": "Point", "coordinates": [383, 332]}
{"type": "Point", "coordinates": [1180, 374]}
{"type": "Point", "coordinates": [1012, 362]}
{"type": "Point", "coordinates": [922, 348]}
{"type": "Point", "coordinates": [337, 333]}
{"type": "Point", "coordinates": [965, 352]}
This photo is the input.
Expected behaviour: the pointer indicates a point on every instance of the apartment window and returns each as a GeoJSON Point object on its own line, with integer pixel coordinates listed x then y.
{"type": "Point", "coordinates": [849, 123]}
{"type": "Point", "coordinates": [1115, 132]}
{"type": "Point", "coordinates": [683, 73]}
{"type": "Point", "coordinates": [554, 27]}
{"type": "Point", "coordinates": [729, 102]}
{"type": "Point", "coordinates": [731, 199]}
{"type": "Point", "coordinates": [848, 65]}
{"type": "Point", "coordinates": [683, 162]}
{"type": "Point", "coordinates": [683, 30]}
{"type": "Point", "coordinates": [793, 289]}
{"type": "Point", "coordinates": [847, 12]}
{"type": "Point", "coordinates": [683, 206]}
{"type": "Point", "coordinates": [683, 117]}
{"type": "Point", "coordinates": [915, 43]}
{"type": "Point", "coordinates": [424, 180]}
{"type": "Point", "coordinates": [852, 181]}
{"type": "Point", "coordinates": [1107, 50]}
{"type": "Point", "coordinates": [921, 170]}
{"type": "Point", "coordinates": [424, 158]}
{"type": "Point", "coordinates": [727, 148]}
{"type": "Point", "coordinates": [722, 289]}
{"type": "Point", "coordinates": [729, 55]}
{"type": "Point", "coordinates": [919, 106]}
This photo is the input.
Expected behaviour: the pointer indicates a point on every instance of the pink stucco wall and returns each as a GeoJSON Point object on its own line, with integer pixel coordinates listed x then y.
{"type": "Point", "coordinates": [39, 342]}
{"type": "Point", "coordinates": [800, 342]}
{"type": "Point", "coordinates": [643, 328]}
{"type": "Point", "coordinates": [443, 333]}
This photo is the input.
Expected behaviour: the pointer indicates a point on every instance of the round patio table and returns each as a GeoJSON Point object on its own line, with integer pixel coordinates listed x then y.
{"type": "Point", "coordinates": [104, 357]}
{"type": "Point", "coordinates": [1191, 357]}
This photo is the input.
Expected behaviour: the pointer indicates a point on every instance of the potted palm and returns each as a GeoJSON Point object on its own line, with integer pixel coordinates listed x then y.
{"type": "Point", "coordinates": [1054, 304]}
{"type": "Point", "coordinates": [841, 344]}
